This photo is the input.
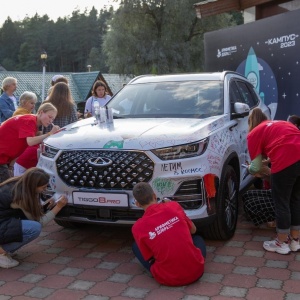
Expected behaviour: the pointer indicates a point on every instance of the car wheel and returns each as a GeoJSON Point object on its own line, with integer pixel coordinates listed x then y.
{"type": "Point", "coordinates": [223, 227]}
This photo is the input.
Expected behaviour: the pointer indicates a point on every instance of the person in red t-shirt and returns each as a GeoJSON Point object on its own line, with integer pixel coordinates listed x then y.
{"type": "Point", "coordinates": [28, 159]}
{"type": "Point", "coordinates": [163, 241]}
{"type": "Point", "coordinates": [19, 132]}
{"type": "Point", "coordinates": [280, 142]}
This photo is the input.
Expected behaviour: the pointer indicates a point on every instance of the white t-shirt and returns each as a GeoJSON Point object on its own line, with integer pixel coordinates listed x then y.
{"type": "Point", "coordinates": [14, 100]}
{"type": "Point", "coordinates": [89, 105]}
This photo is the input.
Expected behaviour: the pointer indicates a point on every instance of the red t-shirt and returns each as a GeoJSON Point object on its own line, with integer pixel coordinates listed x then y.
{"type": "Point", "coordinates": [13, 133]}
{"type": "Point", "coordinates": [29, 157]}
{"type": "Point", "coordinates": [164, 233]}
{"type": "Point", "coordinates": [278, 140]}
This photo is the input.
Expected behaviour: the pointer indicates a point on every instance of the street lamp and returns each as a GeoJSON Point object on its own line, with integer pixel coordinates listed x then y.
{"type": "Point", "coordinates": [43, 58]}
{"type": "Point", "coordinates": [89, 67]}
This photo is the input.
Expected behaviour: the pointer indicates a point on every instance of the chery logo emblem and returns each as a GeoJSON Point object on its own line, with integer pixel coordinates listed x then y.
{"type": "Point", "coordinates": [100, 162]}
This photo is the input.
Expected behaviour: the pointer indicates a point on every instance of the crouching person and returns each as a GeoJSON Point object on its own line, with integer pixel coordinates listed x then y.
{"type": "Point", "coordinates": [21, 212]}
{"type": "Point", "coordinates": [164, 240]}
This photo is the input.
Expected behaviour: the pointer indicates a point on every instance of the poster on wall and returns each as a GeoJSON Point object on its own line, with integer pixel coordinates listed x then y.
{"type": "Point", "coordinates": [267, 52]}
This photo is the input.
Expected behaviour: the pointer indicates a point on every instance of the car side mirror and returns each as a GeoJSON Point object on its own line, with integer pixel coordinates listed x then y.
{"type": "Point", "coordinates": [241, 110]}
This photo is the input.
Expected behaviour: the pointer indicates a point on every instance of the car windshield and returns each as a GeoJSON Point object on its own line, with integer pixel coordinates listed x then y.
{"type": "Point", "coordinates": [180, 99]}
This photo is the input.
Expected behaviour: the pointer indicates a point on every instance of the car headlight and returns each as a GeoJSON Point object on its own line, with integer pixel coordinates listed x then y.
{"type": "Point", "coordinates": [48, 151]}
{"type": "Point", "coordinates": [182, 151]}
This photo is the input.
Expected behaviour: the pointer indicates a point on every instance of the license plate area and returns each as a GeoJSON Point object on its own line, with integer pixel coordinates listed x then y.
{"type": "Point", "coordinates": [100, 199]}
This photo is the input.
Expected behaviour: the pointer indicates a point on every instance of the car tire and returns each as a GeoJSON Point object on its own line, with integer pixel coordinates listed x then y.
{"type": "Point", "coordinates": [224, 225]}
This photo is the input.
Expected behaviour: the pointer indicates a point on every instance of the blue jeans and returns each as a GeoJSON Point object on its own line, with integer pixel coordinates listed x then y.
{"type": "Point", "coordinates": [197, 240]}
{"type": "Point", "coordinates": [30, 231]}
{"type": "Point", "coordinates": [286, 196]}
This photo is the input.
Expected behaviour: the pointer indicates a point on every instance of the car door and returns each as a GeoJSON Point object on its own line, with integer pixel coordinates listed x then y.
{"type": "Point", "coordinates": [243, 92]}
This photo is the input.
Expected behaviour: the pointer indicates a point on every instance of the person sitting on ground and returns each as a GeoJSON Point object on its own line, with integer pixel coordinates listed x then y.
{"type": "Point", "coordinates": [259, 206]}
{"type": "Point", "coordinates": [21, 212]}
{"type": "Point", "coordinates": [19, 132]}
{"type": "Point", "coordinates": [27, 103]}
{"type": "Point", "coordinates": [258, 203]}
{"type": "Point", "coordinates": [100, 95]}
{"type": "Point", "coordinates": [165, 240]}
{"type": "Point", "coordinates": [8, 101]}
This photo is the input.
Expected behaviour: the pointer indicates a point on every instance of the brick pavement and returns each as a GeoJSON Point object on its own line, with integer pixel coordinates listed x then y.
{"type": "Point", "coordinates": [97, 263]}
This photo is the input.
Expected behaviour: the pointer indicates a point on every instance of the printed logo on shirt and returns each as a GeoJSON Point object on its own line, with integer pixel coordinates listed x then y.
{"type": "Point", "coordinates": [152, 235]}
{"type": "Point", "coordinates": [163, 227]}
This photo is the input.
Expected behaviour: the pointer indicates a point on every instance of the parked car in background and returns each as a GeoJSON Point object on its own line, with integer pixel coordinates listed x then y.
{"type": "Point", "coordinates": [185, 134]}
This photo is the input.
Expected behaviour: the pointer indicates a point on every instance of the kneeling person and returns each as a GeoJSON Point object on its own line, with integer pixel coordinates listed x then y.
{"type": "Point", "coordinates": [164, 243]}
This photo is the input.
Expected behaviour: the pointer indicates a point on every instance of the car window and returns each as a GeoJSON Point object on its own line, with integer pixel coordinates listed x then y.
{"type": "Point", "coordinates": [191, 99]}
{"type": "Point", "coordinates": [246, 94]}
{"type": "Point", "coordinates": [234, 94]}
{"type": "Point", "coordinates": [242, 92]}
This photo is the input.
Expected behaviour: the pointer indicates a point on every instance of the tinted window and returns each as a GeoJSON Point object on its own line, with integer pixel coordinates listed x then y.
{"type": "Point", "coordinates": [247, 95]}
{"type": "Point", "coordinates": [191, 99]}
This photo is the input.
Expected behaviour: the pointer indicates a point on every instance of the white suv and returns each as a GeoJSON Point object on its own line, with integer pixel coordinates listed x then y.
{"type": "Point", "coordinates": [185, 134]}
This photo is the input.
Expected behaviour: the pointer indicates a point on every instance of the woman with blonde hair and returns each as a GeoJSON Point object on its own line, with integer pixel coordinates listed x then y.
{"type": "Point", "coordinates": [280, 142]}
{"type": "Point", "coordinates": [27, 103]}
{"type": "Point", "coordinates": [21, 212]}
{"type": "Point", "coordinates": [61, 98]}
{"type": "Point", "coordinates": [19, 132]}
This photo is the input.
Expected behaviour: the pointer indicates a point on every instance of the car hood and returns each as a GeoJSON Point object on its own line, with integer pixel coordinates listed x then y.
{"type": "Point", "coordinates": [143, 134]}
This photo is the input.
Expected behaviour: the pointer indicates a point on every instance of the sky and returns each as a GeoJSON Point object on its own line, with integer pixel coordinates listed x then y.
{"type": "Point", "coordinates": [17, 10]}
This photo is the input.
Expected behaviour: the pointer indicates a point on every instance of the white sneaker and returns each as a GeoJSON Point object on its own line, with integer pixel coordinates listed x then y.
{"type": "Point", "coordinates": [7, 262]}
{"type": "Point", "coordinates": [295, 245]}
{"type": "Point", "coordinates": [276, 246]}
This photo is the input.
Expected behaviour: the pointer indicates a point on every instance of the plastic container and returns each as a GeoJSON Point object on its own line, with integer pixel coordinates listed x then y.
{"type": "Point", "coordinates": [97, 110]}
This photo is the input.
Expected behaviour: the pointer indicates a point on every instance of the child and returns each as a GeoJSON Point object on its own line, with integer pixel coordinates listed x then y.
{"type": "Point", "coordinates": [27, 104]}
{"type": "Point", "coordinates": [163, 241]}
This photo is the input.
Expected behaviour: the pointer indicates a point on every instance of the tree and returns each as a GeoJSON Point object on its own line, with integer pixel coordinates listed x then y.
{"type": "Point", "coordinates": [10, 40]}
{"type": "Point", "coordinates": [68, 42]}
{"type": "Point", "coordinates": [142, 36]}
{"type": "Point", "coordinates": [36, 39]}
{"type": "Point", "coordinates": [158, 36]}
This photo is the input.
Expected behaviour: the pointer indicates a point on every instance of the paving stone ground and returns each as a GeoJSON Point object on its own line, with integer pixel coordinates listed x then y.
{"type": "Point", "coordinates": [96, 263]}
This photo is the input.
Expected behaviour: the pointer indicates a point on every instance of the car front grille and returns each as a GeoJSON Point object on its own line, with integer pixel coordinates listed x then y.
{"type": "Point", "coordinates": [90, 214]}
{"type": "Point", "coordinates": [105, 169]}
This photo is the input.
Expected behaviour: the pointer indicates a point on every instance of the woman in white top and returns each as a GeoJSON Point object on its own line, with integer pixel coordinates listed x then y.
{"type": "Point", "coordinates": [99, 94]}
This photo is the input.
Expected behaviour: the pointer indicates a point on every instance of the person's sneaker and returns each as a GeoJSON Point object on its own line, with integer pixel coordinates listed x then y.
{"type": "Point", "coordinates": [295, 245]}
{"type": "Point", "coordinates": [7, 262]}
{"type": "Point", "coordinates": [276, 246]}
